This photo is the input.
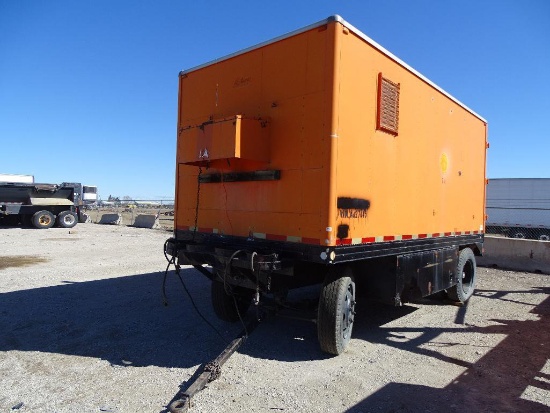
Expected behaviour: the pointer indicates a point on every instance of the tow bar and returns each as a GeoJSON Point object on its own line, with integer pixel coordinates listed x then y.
{"type": "Point", "coordinates": [210, 371]}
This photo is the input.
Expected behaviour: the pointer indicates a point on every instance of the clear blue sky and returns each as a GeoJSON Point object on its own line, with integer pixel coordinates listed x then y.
{"type": "Point", "coordinates": [88, 89]}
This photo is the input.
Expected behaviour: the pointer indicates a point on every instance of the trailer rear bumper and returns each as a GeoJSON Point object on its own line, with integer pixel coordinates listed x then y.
{"type": "Point", "coordinates": [208, 248]}
{"type": "Point", "coordinates": [395, 272]}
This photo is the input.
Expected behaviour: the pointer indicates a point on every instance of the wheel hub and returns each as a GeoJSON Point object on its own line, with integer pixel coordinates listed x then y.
{"type": "Point", "coordinates": [44, 220]}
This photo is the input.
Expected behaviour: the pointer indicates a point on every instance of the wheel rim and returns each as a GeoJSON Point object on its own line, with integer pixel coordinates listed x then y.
{"type": "Point", "coordinates": [44, 220]}
{"type": "Point", "coordinates": [467, 276]}
{"type": "Point", "coordinates": [348, 313]}
{"type": "Point", "coordinates": [544, 237]}
{"type": "Point", "coordinates": [68, 219]}
{"type": "Point", "coordinates": [519, 235]}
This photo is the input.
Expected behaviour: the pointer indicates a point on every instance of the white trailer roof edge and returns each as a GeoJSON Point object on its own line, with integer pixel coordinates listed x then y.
{"type": "Point", "coordinates": [405, 65]}
{"type": "Point", "coordinates": [262, 44]}
{"type": "Point", "coordinates": [337, 18]}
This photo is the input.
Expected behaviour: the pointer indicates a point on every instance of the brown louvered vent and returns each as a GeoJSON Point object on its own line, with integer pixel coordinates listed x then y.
{"type": "Point", "coordinates": [388, 106]}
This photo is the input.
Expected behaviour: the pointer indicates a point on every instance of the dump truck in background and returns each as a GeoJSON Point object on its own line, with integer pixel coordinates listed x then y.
{"type": "Point", "coordinates": [321, 158]}
{"type": "Point", "coordinates": [519, 207]}
{"type": "Point", "coordinates": [43, 205]}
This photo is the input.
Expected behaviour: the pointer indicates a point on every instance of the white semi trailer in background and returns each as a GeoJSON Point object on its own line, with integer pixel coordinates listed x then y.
{"type": "Point", "coordinates": [519, 207]}
{"type": "Point", "coordinates": [15, 178]}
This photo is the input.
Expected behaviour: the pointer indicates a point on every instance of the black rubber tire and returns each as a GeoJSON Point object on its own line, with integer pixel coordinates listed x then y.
{"type": "Point", "coordinates": [67, 219]}
{"type": "Point", "coordinates": [43, 219]}
{"type": "Point", "coordinates": [228, 307]}
{"type": "Point", "coordinates": [544, 236]}
{"type": "Point", "coordinates": [336, 311]}
{"type": "Point", "coordinates": [518, 235]}
{"type": "Point", "coordinates": [466, 273]}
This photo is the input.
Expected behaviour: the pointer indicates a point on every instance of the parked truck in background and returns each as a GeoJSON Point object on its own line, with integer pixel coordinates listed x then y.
{"type": "Point", "coordinates": [43, 205]}
{"type": "Point", "coordinates": [321, 158]}
{"type": "Point", "coordinates": [519, 207]}
{"type": "Point", "coordinates": [89, 195]}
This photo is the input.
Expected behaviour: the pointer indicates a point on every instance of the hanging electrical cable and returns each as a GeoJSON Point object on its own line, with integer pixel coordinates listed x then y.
{"type": "Point", "coordinates": [172, 261]}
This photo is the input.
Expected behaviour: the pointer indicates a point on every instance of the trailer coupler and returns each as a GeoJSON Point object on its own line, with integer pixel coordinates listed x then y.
{"type": "Point", "coordinates": [210, 371]}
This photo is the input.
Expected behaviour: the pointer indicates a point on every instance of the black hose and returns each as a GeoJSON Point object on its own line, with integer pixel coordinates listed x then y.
{"type": "Point", "coordinates": [172, 261]}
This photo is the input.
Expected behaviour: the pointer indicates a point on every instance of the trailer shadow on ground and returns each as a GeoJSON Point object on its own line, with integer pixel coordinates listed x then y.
{"type": "Point", "coordinates": [502, 380]}
{"type": "Point", "coordinates": [123, 320]}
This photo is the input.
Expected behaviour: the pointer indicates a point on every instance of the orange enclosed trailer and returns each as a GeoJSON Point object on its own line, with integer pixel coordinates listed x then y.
{"type": "Point", "coordinates": [321, 157]}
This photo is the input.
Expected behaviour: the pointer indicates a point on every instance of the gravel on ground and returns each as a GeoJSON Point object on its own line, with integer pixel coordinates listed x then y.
{"type": "Point", "coordinates": [83, 328]}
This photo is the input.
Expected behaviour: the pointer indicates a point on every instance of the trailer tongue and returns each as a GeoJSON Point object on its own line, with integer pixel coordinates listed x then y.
{"type": "Point", "coordinates": [209, 372]}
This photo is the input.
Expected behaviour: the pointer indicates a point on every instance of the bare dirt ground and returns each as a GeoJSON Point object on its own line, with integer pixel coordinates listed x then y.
{"type": "Point", "coordinates": [83, 329]}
